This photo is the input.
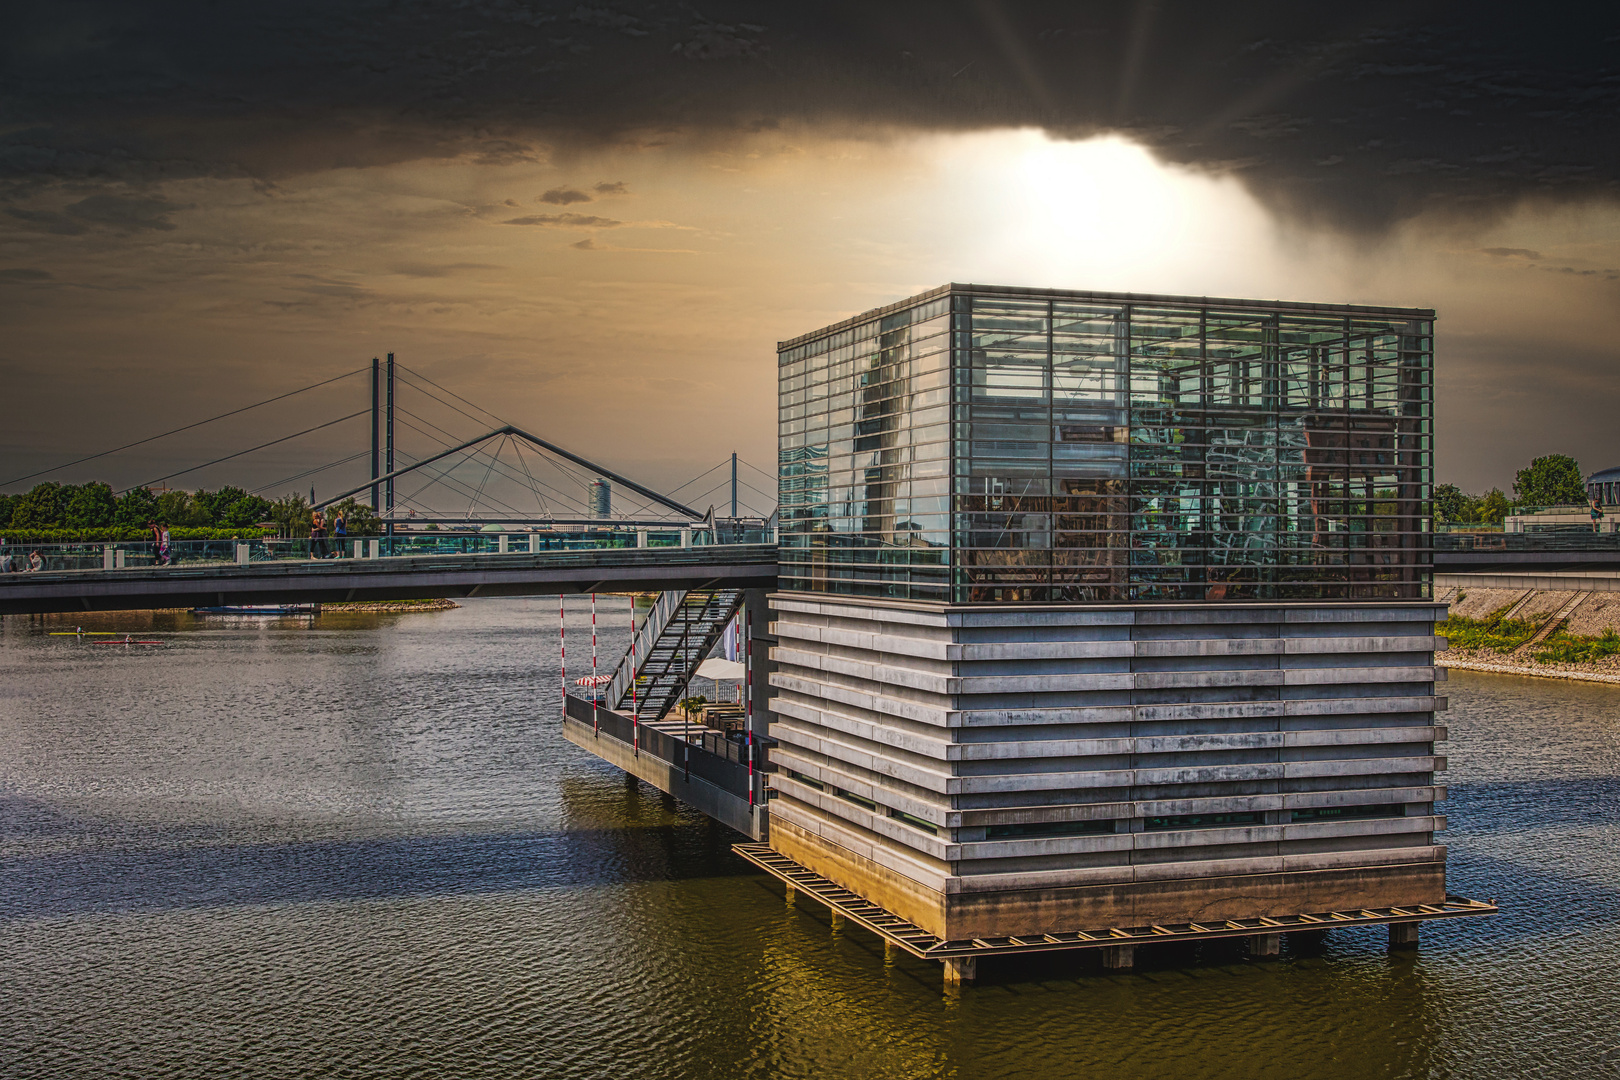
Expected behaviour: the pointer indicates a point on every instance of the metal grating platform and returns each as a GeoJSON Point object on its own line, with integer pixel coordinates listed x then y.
{"type": "Point", "coordinates": [919, 942]}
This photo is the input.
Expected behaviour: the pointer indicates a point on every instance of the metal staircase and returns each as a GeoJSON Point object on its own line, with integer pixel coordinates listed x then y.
{"type": "Point", "coordinates": [680, 630]}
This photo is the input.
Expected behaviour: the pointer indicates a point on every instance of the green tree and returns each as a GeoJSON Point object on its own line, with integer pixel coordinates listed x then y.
{"type": "Point", "coordinates": [1449, 503]}
{"type": "Point", "coordinates": [1492, 507]}
{"type": "Point", "coordinates": [358, 518]}
{"type": "Point", "coordinates": [244, 512]}
{"type": "Point", "coordinates": [7, 503]}
{"type": "Point", "coordinates": [40, 508]}
{"type": "Point", "coordinates": [137, 508]}
{"type": "Point", "coordinates": [1554, 480]}
{"type": "Point", "coordinates": [232, 508]}
{"type": "Point", "coordinates": [90, 506]}
{"type": "Point", "coordinates": [291, 514]}
{"type": "Point", "coordinates": [179, 508]}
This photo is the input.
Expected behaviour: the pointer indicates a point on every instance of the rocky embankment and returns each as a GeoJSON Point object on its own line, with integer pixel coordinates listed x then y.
{"type": "Point", "coordinates": [1607, 671]}
{"type": "Point", "coordinates": [392, 606]}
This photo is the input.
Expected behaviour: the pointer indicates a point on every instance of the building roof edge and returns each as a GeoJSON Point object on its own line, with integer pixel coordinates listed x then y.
{"type": "Point", "coordinates": [968, 289]}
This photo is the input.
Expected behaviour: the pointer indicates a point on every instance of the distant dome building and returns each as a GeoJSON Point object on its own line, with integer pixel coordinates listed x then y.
{"type": "Point", "coordinates": [1604, 487]}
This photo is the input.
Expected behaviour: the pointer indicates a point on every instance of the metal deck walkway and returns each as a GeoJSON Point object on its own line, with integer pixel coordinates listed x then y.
{"type": "Point", "coordinates": [920, 943]}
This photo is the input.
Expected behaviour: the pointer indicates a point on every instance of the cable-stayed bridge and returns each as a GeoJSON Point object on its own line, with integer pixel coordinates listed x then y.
{"type": "Point", "coordinates": [460, 501]}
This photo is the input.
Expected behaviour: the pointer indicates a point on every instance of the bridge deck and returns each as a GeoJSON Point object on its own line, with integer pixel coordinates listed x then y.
{"type": "Point", "coordinates": [408, 577]}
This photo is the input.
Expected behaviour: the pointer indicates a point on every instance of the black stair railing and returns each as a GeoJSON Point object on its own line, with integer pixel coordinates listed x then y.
{"type": "Point", "coordinates": [677, 636]}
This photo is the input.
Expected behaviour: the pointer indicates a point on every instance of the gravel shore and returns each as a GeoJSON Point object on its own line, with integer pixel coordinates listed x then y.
{"type": "Point", "coordinates": [1604, 671]}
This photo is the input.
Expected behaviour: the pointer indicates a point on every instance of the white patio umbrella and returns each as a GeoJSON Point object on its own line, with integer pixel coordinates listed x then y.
{"type": "Point", "coordinates": [718, 667]}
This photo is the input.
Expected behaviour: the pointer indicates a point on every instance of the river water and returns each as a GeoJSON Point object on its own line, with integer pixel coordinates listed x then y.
{"type": "Point", "coordinates": [358, 846]}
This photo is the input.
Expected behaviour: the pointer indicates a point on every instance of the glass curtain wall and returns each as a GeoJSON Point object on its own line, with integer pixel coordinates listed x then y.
{"type": "Point", "coordinates": [865, 458]}
{"type": "Point", "coordinates": [1110, 452]}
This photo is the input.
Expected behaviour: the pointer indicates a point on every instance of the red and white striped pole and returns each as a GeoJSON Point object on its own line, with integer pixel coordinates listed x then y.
{"type": "Point", "coordinates": [596, 720]}
{"type": "Point", "coordinates": [635, 710]}
{"type": "Point", "coordinates": [562, 652]}
{"type": "Point", "coordinates": [748, 679]}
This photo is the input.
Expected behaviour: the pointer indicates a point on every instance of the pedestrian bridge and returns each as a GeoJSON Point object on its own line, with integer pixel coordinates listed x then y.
{"type": "Point", "coordinates": [421, 566]}
{"type": "Point", "coordinates": [409, 576]}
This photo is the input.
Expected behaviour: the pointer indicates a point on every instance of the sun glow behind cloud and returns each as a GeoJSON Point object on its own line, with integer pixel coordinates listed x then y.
{"type": "Point", "coordinates": [1020, 206]}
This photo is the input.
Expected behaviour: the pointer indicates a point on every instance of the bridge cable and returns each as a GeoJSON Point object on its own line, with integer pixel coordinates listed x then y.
{"type": "Point", "coordinates": [455, 395]}
{"type": "Point", "coordinates": [756, 468]}
{"type": "Point", "coordinates": [441, 442]}
{"type": "Point", "coordinates": [580, 478]}
{"type": "Point", "coordinates": [505, 470]}
{"type": "Point", "coordinates": [431, 396]}
{"type": "Point", "coordinates": [755, 490]}
{"type": "Point", "coordinates": [493, 458]}
{"type": "Point", "coordinates": [450, 481]}
{"type": "Point", "coordinates": [310, 472]}
{"type": "Point", "coordinates": [249, 450]}
{"type": "Point", "coordinates": [436, 477]}
{"type": "Point", "coordinates": [700, 476]}
{"type": "Point", "coordinates": [188, 427]}
{"type": "Point", "coordinates": [539, 499]}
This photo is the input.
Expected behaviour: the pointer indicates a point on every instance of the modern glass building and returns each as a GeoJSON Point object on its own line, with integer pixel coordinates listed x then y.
{"type": "Point", "coordinates": [982, 444]}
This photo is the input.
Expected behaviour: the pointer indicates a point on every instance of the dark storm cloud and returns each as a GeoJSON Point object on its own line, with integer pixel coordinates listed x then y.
{"type": "Point", "coordinates": [125, 213]}
{"type": "Point", "coordinates": [564, 196]}
{"type": "Point", "coordinates": [432, 270]}
{"type": "Point", "coordinates": [611, 187]}
{"type": "Point", "coordinates": [566, 221]}
{"type": "Point", "coordinates": [45, 221]}
{"type": "Point", "coordinates": [1357, 113]}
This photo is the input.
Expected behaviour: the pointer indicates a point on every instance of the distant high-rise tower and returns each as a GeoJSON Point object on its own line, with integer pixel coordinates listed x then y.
{"type": "Point", "coordinates": [601, 499]}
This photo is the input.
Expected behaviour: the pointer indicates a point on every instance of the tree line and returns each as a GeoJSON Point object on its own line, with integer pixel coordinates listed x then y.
{"type": "Point", "coordinates": [91, 511]}
{"type": "Point", "coordinates": [1553, 480]}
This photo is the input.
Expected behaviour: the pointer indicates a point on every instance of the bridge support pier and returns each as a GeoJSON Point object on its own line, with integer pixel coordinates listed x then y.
{"type": "Point", "coordinates": [1403, 936]}
{"type": "Point", "coordinates": [1265, 946]}
{"type": "Point", "coordinates": [961, 971]}
{"type": "Point", "coordinates": [1119, 957]}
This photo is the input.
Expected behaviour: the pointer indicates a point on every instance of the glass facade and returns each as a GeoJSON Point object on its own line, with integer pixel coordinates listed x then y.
{"type": "Point", "coordinates": [988, 445]}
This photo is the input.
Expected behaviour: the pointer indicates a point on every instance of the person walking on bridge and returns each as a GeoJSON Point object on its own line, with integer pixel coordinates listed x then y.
{"type": "Point", "coordinates": [1597, 515]}
{"type": "Point", "coordinates": [340, 533]}
{"type": "Point", "coordinates": [317, 535]}
{"type": "Point", "coordinates": [160, 542]}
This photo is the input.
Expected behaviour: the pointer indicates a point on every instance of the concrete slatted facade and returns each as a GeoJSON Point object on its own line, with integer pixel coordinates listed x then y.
{"type": "Point", "coordinates": [995, 769]}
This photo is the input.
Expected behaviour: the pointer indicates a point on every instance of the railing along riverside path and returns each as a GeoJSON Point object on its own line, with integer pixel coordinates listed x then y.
{"type": "Point", "coordinates": [1480, 552]}
{"type": "Point", "coordinates": [104, 577]}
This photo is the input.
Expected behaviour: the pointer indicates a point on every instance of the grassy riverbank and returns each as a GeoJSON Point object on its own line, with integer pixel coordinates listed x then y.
{"type": "Point", "coordinates": [1504, 645]}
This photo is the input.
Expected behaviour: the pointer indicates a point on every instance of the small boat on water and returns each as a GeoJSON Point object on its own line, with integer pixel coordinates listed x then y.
{"type": "Point", "coordinates": [256, 609]}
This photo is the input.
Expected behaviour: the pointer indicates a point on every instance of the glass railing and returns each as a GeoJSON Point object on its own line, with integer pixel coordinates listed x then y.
{"type": "Point", "coordinates": [1528, 541]}
{"type": "Point", "coordinates": [198, 553]}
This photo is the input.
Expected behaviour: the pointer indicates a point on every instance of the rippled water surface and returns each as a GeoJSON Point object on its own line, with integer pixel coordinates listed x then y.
{"type": "Point", "coordinates": [359, 847]}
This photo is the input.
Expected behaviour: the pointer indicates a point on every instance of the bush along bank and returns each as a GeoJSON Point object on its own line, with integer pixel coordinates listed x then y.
{"type": "Point", "coordinates": [1497, 643]}
{"type": "Point", "coordinates": [129, 534]}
